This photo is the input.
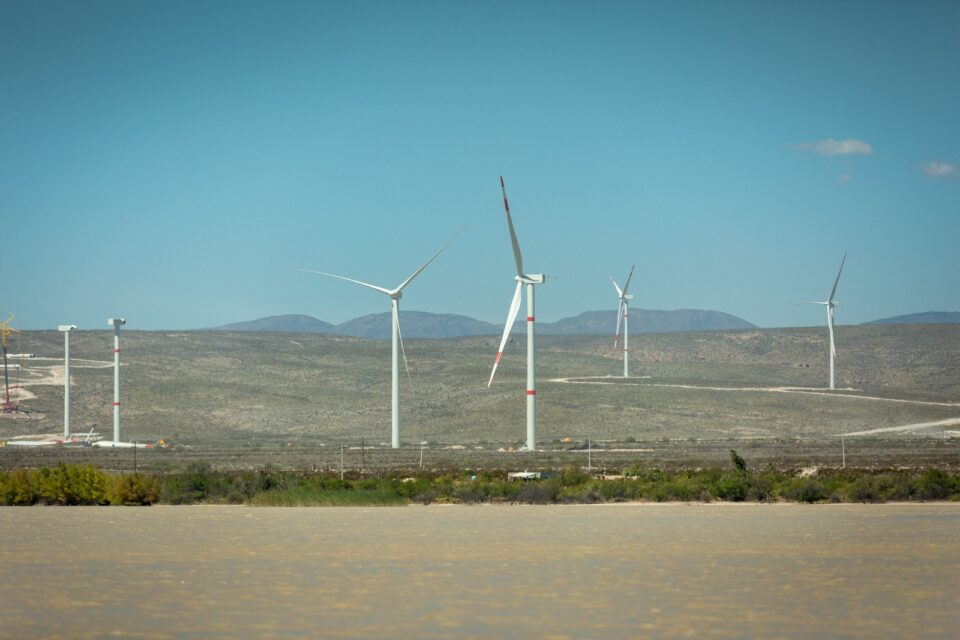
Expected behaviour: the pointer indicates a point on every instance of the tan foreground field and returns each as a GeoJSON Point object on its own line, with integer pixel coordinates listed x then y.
{"type": "Point", "coordinates": [244, 400]}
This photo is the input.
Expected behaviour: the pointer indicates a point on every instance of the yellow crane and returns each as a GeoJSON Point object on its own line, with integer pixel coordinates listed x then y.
{"type": "Point", "coordinates": [5, 331]}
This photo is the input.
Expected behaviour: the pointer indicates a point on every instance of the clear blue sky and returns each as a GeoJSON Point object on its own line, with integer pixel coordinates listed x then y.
{"type": "Point", "coordinates": [174, 162]}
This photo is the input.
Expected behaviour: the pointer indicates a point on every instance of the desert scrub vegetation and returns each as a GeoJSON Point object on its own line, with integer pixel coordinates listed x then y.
{"type": "Point", "coordinates": [68, 484]}
{"type": "Point", "coordinates": [199, 483]}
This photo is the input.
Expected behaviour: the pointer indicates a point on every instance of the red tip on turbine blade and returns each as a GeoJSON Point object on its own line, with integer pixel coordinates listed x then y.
{"type": "Point", "coordinates": [497, 360]}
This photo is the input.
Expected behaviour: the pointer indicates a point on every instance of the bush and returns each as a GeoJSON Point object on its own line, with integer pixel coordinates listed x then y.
{"type": "Point", "coordinates": [425, 497]}
{"type": "Point", "coordinates": [573, 476]}
{"type": "Point", "coordinates": [135, 489]}
{"type": "Point", "coordinates": [732, 487]}
{"type": "Point", "coordinates": [543, 492]}
{"type": "Point", "coordinates": [17, 488]}
{"type": "Point", "coordinates": [739, 464]}
{"type": "Point", "coordinates": [863, 489]}
{"type": "Point", "coordinates": [896, 487]}
{"type": "Point", "coordinates": [805, 490]}
{"type": "Point", "coordinates": [933, 484]}
{"type": "Point", "coordinates": [761, 487]}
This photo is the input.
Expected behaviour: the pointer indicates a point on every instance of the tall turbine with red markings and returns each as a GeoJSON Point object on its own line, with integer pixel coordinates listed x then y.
{"type": "Point", "coordinates": [396, 339]}
{"type": "Point", "coordinates": [116, 323]}
{"type": "Point", "coordinates": [623, 312]}
{"type": "Point", "coordinates": [530, 280]}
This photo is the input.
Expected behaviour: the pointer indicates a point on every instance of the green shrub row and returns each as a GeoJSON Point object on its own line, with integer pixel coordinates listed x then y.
{"type": "Point", "coordinates": [200, 484]}
{"type": "Point", "coordinates": [70, 484]}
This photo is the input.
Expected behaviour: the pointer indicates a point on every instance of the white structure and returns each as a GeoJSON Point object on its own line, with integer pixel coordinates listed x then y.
{"type": "Point", "coordinates": [396, 338]}
{"type": "Point", "coordinates": [623, 312]}
{"type": "Point", "coordinates": [830, 303]}
{"type": "Point", "coordinates": [66, 329]}
{"type": "Point", "coordinates": [530, 280]}
{"type": "Point", "coordinates": [116, 323]}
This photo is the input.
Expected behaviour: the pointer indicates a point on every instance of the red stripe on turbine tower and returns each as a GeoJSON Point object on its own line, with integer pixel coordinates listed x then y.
{"type": "Point", "coordinates": [531, 392]}
{"type": "Point", "coordinates": [116, 350]}
{"type": "Point", "coordinates": [529, 318]}
{"type": "Point", "coordinates": [116, 404]}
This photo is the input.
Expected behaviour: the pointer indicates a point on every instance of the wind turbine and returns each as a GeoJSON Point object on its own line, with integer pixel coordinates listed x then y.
{"type": "Point", "coordinates": [395, 295]}
{"type": "Point", "coordinates": [66, 329]}
{"type": "Point", "coordinates": [622, 312]}
{"type": "Point", "coordinates": [530, 280]}
{"type": "Point", "coordinates": [116, 323]}
{"type": "Point", "coordinates": [5, 331]}
{"type": "Point", "coordinates": [829, 303]}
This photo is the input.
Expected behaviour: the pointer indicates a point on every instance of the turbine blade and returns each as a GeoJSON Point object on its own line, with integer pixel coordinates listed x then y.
{"type": "Point", "coordinates": [627, 285]}
{"type": "Point", "coordinates": [616, 336]}
{"type": "Point", "coordinates": [402, 350]}
{"type": "Point", "coordinates": [513, 234]}
{"type": "Point", "coordinates": [427, 263]}
{"type": "Point", "coordinates": [362, 284]}
{"type": "Point", "coordinates": [511, 318]}
{"type": "Point", "coordinates": [616, 286]}
{"type": "Point", "coordinates": [835, 282]}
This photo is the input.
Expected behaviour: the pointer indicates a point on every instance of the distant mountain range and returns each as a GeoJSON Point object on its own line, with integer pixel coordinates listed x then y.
{"type": "Point", "coordinates": [291, 323]}
{"type": "Point", "coordinates": [927, 317]}
{"type": "Point", "coordinates": [420, 324]}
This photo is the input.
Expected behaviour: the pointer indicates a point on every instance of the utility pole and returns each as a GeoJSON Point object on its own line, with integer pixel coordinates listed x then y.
{"type": "Point", "coordinates": [843, 451]}
{"type": "Point", "coordinates": [341, 461]}
{"type": "Point", "coordinates": [589, 454]}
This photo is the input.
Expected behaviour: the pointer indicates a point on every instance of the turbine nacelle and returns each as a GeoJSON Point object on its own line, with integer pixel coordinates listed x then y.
{"type": "Point", "coordinates": [532, 278]}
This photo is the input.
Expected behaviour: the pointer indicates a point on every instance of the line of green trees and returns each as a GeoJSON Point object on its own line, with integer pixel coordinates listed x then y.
{"type": "Point", "coordinates": [200, 484]}
{"type": "Point", "coordinates": [74, 484]}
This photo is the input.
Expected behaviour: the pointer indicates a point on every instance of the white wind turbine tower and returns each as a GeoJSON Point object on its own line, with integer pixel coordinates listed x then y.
{"type": "Point", "coordinates": [623, 312]}
{"type": "Point", "coordinates": [530, 280]}
{"type": "Point", "coordinates": [66, 329]}
{"type": "Point", "coordinates": [116, 323]}
{"type": "Point", "coordinates": [395, 295]}
{"type": "Point", "coordinates": [829, 303]}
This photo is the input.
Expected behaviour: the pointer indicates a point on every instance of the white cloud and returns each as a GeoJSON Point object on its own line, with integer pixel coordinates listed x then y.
{"type": "Point", "coordinates": [844, 178]}
{"type": "Point", "coordinates": [831, 147]}
{"type": "Point", "coordinates": [940, 169]}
